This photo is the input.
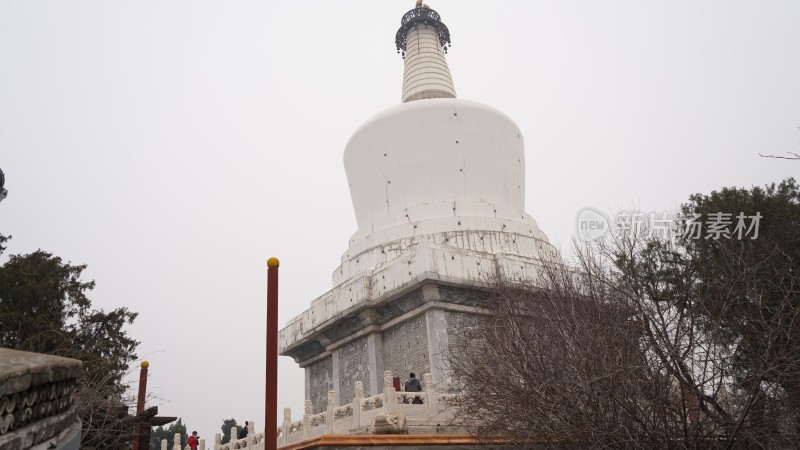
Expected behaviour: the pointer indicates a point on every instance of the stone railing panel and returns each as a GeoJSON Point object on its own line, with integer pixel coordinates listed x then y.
{"type": "Point", "coordinates": [343, 419]}
{"type": "Point", "coordinates": [317, 424]}
{"type": "Point", "coordinates": [295, 426]}
{"type": "Point", "coordinates": [318, 419]}
{"type": "Point", "coordinates": [296, 437]}
{"type": "Point", "coordinates": [410, 397]}
{"type": "Point", "coordinates": [355, 416]}
{"type": "Point", "coordinates": [343, 411]}
{"type": "Point", "coordinates": [447, 400]}
{"type": "Point", "coordinates": [318, 430]}
{"type": "Point", "coordinates": [371, 403]}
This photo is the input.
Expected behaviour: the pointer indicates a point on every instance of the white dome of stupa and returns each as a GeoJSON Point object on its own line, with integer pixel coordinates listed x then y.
{"type": "Point", "coordinates": [435, 163]}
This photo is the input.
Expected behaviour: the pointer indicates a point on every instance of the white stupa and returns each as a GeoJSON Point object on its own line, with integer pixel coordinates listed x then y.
{"type": "Point", "coordinates": [438, 190]}
{"type": "Point", "coordinates": [436, 170]}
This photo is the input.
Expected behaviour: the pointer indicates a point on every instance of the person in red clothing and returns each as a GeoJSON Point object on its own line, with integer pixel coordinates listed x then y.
{"type": "Point", "coordinates": [193, 441]}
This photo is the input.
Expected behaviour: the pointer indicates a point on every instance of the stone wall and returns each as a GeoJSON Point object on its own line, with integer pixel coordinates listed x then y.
{"type": "Point", "coordinates": [353, 365]}
{"type": "Point", "coordinates": [405, 348]}
{"type": "Point", "coordinates": [378, 291]}
{"type": "Point", "coordinates": [321, 381]}
{"type": "Point", "coordinates": [461, 296]}
{"type": "Point", "coordinates": [37, 401]}
{"type": "Point", "coordinates": [459, 320]}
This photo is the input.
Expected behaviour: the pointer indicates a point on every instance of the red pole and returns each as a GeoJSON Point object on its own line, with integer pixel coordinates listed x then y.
{"type": "Point", "coordinates": [140, 403]}
{"type": "Point", "coordinates": [271, 400]}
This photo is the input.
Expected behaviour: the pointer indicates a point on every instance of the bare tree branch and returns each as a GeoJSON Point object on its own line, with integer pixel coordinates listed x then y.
{"type": "Point", "coordinates": [794, 156]}
{"type": "Point", "coordinates": [619, 352]}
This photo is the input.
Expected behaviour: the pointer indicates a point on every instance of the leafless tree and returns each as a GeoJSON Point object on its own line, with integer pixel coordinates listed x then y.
{"type": "Point", "coordinates": [105, 415]}
{"type": "Point", "coordinates": [792, 155]}
{"type": "Point", "coordinates": [616, 352]}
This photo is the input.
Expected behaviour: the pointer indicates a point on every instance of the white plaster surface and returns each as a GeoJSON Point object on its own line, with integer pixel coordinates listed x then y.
{"type": "Point", "coordinates": [425, 73]}
{"type": "Point", "coordinates": [435, 158]}
{"type": "Point", "coordinates": [438, 190]}
{"type": "Point", "coordinates": [423, 262]}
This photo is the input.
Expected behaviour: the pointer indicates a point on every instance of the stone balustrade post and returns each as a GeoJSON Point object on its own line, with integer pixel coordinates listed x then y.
{"type": "Point", "coordinates": [287, 421]}
{"type": "Point", "coordinates": [234, 436]}
{"type": "Point", "coordinates": [307, 412]}
{"type": "Point", "coordinates": [164, 444]}
{"type": "Point", "coordinates": [430, 395]}
{"type": "Point", "coordinates": [217, 441]}
{"type": "Point", "coordinates": [176, 442]}
{"type": "Point", "coordinates": [357, 398]}
{"type": "Point", "coordinates": [202, 444]}
{"type": "Point", "coordinates": [332, 404]}
{"type": "Point", "coordinates": [251, 433]}
{"type": "Point", "coordinates": [389, 395]}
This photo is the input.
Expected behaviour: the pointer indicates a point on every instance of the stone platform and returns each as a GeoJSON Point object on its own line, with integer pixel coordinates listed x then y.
{"type": "Point", "coordinates": [396, 442]}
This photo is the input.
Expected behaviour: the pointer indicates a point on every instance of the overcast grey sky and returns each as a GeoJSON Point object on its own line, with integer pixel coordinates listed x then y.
{"type": "Point", "coordinates": [173, 146]}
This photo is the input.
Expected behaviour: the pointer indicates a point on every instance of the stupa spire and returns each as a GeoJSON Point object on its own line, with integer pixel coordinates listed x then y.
{"type": "Point", "coordinates": [423, 40]}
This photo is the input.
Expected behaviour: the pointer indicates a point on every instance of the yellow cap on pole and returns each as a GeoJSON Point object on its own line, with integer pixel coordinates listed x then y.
{"type": "Point", "coordinates": [273, 263]}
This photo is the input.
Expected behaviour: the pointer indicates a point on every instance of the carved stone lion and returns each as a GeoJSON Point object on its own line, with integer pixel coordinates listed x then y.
{"type": "Point", "coordinates": [389, 424]}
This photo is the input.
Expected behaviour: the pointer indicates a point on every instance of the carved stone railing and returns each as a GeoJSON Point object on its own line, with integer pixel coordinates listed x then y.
{"type": "Point", "coordinates": [370, 403]}
{"type": "Point", "coordinates": [357, 416]}
{"type": "Point", "coordinates": [318, 419]}
{"type": "Point", "coordinates": [447, 400]}
{"type": "Point", "coordinates": [353, 417]}
{"type": "Point", "coordinates": [176, 443]}
{"type": "Point", "coordinates": [411, 398]}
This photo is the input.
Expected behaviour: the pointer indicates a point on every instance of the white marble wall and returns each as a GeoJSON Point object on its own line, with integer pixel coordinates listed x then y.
{"type": "Point", "coordinates": [426, 262]}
